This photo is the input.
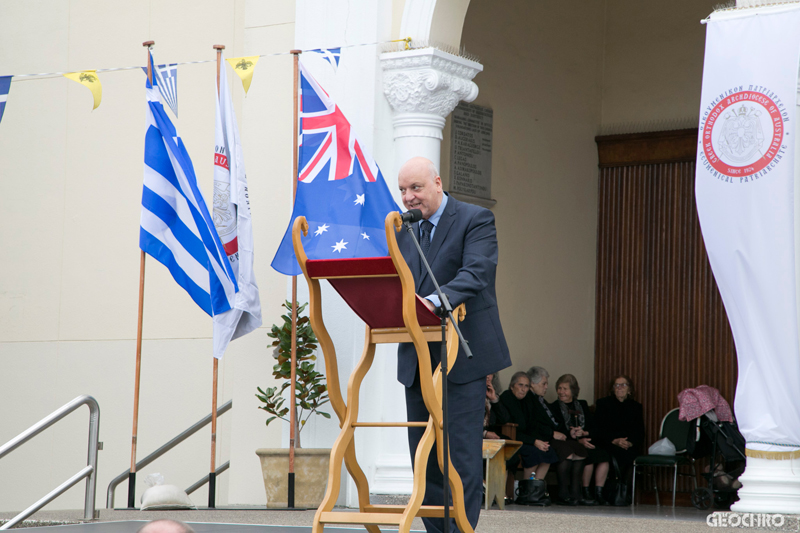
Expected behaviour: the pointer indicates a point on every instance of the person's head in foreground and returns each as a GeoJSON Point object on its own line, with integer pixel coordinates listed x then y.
{"type": "Point", "coordinates": [165, 526]}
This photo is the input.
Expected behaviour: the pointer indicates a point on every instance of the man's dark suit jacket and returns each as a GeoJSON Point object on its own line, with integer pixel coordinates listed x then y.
{"type": "Point", "coordinates": [463, 257]}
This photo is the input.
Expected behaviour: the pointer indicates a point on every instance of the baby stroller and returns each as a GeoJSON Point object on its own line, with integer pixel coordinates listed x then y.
{"type": "Point", "coordinates": [713, 433]}
{"type": "Point", "coordinates": [724, 445]}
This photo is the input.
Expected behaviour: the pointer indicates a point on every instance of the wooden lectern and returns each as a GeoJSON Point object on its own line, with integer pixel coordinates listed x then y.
{"type": "Point", "coordinates": [381, 291]}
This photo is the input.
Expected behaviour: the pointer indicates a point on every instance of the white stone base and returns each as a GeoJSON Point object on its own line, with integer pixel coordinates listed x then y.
{"type": "Point", "coordinates": [393, 475]}
{"type": "Point", "coordinates": [769, 487]}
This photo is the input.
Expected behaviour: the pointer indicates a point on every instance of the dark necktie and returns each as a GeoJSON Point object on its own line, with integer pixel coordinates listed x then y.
{"type": "Point", "coordinates": [425, 228]}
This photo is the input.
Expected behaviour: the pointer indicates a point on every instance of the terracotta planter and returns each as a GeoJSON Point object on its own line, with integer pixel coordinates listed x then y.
{"type": "Point", "coordinates": [310, 476]}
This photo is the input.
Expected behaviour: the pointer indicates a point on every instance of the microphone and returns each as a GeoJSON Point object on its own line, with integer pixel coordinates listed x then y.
{"type": "Point", "coordinates": [411, 216]}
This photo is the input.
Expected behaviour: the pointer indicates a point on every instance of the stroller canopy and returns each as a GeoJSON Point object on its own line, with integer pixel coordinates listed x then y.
{"type": "Point", "coordinates": [696, 402]}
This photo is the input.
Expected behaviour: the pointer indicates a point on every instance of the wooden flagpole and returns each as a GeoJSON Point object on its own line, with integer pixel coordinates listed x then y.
{"type": "Point", "coordinates": [137, 374]}
{"type": "Point", "coordinates": [212, 473]}
{"type": "Point", "coordinates": [293, 379]}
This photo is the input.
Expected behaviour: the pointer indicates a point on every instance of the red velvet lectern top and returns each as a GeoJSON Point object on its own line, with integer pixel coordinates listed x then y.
{"type": "Point", "coordinates": [371, 287]}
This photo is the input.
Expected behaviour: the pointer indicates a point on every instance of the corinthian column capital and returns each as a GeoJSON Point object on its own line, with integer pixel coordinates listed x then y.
{"type": "Point", "coordinates": [428, 81]}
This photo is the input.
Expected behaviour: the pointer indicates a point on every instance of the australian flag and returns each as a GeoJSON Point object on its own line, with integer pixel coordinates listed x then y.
{"type": "Point", "coordinates": [340, 189]}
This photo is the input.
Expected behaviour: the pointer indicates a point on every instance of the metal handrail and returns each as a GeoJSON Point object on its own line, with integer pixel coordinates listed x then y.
{"type": "Point", "coordinates": [89, 471]}
{"type": "Point", "coordinates": [197, 426]}
{"type": "Point", "coordinates": [202, 481]}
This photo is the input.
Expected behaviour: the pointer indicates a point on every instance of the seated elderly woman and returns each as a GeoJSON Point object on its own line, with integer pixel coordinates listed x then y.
{"type": "Point", "coordinates": [571, 453]}
{"type": "Point", "coordinates": [575, 418]}
{"type": "Point", "coordinates": [619, 423]}
{"type": "Point", "coordinates": [535, 452]}
{"type": "Point", "coordinates": [496, 414]}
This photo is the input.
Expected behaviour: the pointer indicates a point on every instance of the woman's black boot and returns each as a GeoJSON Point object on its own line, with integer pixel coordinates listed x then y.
{"type": "Point", "coordinates": [587, 498]}
{"type": "Point", "coordinates": [577, 475]}
{"type": "Point", "coordinates": [598, 496]}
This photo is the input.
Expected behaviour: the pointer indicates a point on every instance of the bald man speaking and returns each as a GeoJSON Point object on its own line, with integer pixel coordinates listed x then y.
{"type": "Point", "coordinates": [460, 243]}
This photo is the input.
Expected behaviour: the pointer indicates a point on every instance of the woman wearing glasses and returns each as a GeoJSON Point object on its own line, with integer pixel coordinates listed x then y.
{"type": "Point", "coordinates": [619, 420]}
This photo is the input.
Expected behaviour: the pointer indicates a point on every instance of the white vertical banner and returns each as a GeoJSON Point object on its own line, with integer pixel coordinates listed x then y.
{"type": "Point", "coordinates": [233, 223]}
{"type": "Point", "coordinates": [745, 202]}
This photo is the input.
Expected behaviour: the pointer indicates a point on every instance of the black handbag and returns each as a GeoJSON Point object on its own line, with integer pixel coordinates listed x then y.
{"type": "Point", "coordinates": [616, 490]}
{"type": "Point", "coordinates": [532, 492]}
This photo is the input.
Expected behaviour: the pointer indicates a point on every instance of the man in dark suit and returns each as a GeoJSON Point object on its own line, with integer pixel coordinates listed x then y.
{"type": "Point", "coordinates": [460, 243]}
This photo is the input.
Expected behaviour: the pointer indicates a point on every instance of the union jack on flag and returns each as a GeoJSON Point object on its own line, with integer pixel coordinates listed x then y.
{"type": "Point", "coordinates": [340, 188]}
{"type": "Point", "coordinates": [328, 147]}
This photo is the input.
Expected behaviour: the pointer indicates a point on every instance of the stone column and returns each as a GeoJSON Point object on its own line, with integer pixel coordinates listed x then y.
{"type": "Point", "coordinates": [423, 87]}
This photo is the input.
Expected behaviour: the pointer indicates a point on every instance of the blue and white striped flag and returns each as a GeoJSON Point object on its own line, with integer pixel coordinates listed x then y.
{"type": "Point", "coordinates": [166, 77]}
{"type": "Point", "coordinates": [176, 228]}
{"type": "Point", "coordinates": [331, 55]}
{"type": "Point", "coordinates": [5, 86]}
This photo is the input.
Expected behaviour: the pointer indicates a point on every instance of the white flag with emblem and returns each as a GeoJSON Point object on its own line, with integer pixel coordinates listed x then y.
{"type": "Point", "coordinates": [745, 201]}
{"type": "Point", "coordinates": [233, 223]}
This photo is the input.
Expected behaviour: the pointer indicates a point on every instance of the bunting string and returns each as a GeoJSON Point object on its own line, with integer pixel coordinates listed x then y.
{"type": "Point", "coordinates": [29, 77]}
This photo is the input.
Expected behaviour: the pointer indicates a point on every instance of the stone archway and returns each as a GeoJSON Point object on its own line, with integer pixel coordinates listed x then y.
{"type": "Point", "coordinates": [435, 21]}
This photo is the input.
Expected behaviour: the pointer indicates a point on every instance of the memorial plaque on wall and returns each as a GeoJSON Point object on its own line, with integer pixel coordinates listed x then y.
{"type": "Point", "coordinates": [471, 151]}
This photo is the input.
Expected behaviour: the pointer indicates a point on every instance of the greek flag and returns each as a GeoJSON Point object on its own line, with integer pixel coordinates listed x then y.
{"type": "Point", "coordinates": [331, 55]}
{"type": "Point", "coordinates": [166, 77]}
{"type": "Point", "coordinates": [5, 86]}
{"type": "Point", "coordinates": [176, 228]}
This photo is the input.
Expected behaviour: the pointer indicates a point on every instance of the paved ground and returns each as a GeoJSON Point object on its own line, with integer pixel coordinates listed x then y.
{"type": "Point", "coordinates": [642, 519]}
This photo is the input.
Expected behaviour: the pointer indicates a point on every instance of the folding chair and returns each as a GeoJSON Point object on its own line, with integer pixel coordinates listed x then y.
{"type": "Point", "coordinates": [676, 431]}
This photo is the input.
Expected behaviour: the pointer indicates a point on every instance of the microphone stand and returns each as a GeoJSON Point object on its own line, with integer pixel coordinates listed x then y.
{"type": "Point", "coordinates": [448, 312]}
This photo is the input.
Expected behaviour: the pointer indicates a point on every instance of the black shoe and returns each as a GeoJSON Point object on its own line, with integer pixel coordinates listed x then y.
{"type": "Point", "coordinates": [567, 501]}
{"type": "Point", "coordinates": [598, 496]}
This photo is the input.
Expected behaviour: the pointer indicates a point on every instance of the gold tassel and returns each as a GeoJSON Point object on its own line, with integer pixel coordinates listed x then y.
{"type": "Point", "coordinates": [775, 456]}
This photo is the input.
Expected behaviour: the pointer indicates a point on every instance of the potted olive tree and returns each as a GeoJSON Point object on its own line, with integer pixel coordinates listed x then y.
{"type": "Point", "coordinates": [311, 393]}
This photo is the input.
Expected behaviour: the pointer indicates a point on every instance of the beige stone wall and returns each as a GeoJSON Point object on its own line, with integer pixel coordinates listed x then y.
{"type": "Point", "coordinates": [542, 66]}
{"type": "Point", "coordinates": [71, 192]}
{"type": "Point", "coordinates": [653, 64]}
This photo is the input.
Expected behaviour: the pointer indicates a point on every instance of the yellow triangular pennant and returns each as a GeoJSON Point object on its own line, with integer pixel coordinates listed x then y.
{"type": "Point", "coordinates": [244, 67]}
{"type": "Point", "coordinates": [88, 78]}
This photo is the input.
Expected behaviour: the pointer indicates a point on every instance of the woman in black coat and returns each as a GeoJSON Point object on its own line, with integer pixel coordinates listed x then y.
{"type": "Point", "coordinates": [619, 420]}
{"type": "Point", "coordinates": [575, 419]}
{"type": "Point", "coordinates": [571, 453]}
{"type": "Point", "coordinates": [535, 452]}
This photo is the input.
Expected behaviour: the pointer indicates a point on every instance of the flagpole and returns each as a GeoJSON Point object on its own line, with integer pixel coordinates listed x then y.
{"type": "Point", "coordinates": [138, 371]}
{"type": "Point", "coordinates": [212, 473]}
{"type": "Point", "coordinates": [292, 381]}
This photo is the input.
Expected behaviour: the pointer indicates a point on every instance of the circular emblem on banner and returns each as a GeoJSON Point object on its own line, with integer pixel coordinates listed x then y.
{"type": "Point", "coordinates": [743, 133]}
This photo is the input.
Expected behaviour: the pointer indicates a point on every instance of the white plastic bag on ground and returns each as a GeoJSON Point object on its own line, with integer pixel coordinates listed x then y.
{"type": "Point", "coordinates": [662, 447]}
{"type": "Point", "coordinates": [160, 496]}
